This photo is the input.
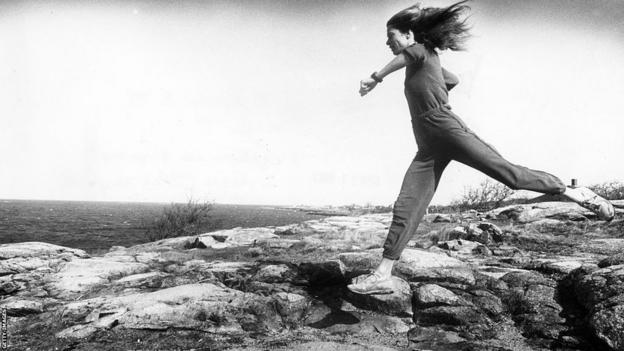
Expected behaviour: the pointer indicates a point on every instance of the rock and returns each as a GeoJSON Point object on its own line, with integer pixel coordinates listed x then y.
{"type": "Point", "coordinates": [601, 292]}
{"type": "Point", "coordinates": [559, 266]}
{"type": "Point", "coordinates": [482, 250]}
{"type": "Point", "coordinates": [278, 243]}
{"type": "Point", "coordinates": [205, 307]}
{"type": "Point", "coordinates": [419, 265]}
{"type": "Point", "coordinates": [202, 242]}
{"type": "Point", "coordinates": [37, 249]}
{"type": "Point", "coordinates": [7, 285]}
{"type": "Point", "coordinates": [533, 212]}
{"type": "Point", "coordinates": [325, 273]}
{"type": "Point", "coordinates": [274, 273]}
{"type": "Point", "coordinates": [451, 315]}
{"type": "Point", "coordinates": [334, 346]}
{"type": "Point", "coordinates": [147, 280]}
{"type": "Point", "coordinates": [608, 324]}
{"type": "Point", "coordinates": [426, 338]}
{"type": "Point", "coordinates": [442, 218]}
{"type": "Point", "coordinates": [399, 303]}
{"type": "Point", "coordinates": [487, 302]}
{"type": "Point", "coordinates": [363, 325]}
{"type": "Point", "coordinates": [507, 251]}
{"type": "Point", "coordinates": [461, 246]}
{"type": "Point", "coordinates": [471, 215]}
{"type": "Point", "coordinates": [613, 260]}
{"type": "Point", "coordinates": [83, 274]}
{"type": "Point", "coordinates": [490, 233]}
{"type": "Point", "coordinates": [292, 307]}
{"type": "Point", "coordinates": [360, 262]}
{"type": "Point", "coordinates": [543, 225]}
{"type": "Point", "coordinates": [19, 307]}
{"type": "Point", "coordinates": [429, 295]}
{"type": "Point", "coordinates": [79, 331]}
{"type": "Point", "coordinates": [607, 246]}
{"type": "Point", "coordinates": [531, 300]}
{"type": "Point", "coordinates": [242, 236]}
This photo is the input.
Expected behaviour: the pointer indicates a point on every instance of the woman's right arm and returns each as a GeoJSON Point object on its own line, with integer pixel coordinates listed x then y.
{"type": "Point", "coordinates": [398, 62]}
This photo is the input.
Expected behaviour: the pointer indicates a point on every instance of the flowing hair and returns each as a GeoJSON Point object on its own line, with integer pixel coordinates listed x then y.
{"type": "Point", "coordinates": [441, 28]}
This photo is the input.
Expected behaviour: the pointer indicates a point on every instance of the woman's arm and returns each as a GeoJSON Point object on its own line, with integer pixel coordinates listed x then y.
{"type": "Point", "coordinates": [450, 80]}
{"type": "Point", "coordinates": [398, 62]}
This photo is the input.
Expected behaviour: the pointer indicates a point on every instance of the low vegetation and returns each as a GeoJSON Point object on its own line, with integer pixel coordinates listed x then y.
{"type": "Point", "coordinates": [178, 219]}
{"type": "Point", "coordinates": [613, 190]}
{"type": "Point", "coordinates": [489, 194]}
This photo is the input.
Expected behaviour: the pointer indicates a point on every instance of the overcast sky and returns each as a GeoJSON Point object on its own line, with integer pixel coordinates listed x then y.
{"type": "Point", "coordinates": [256, 102]}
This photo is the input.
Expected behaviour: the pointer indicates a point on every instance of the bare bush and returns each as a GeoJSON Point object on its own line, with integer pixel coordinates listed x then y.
{"type": "Point", "coordinates": [488, 195]}
{"type": "Point", "coordinates": [180, 220]}
{"type": "Point", "coordinates": [613, 190]}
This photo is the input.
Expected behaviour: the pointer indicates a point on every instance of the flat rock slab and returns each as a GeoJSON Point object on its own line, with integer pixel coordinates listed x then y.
{"type": "Point", "coordinates": [83, 274]}
{"type": "Point", "coordinates": [534, 212]}
{"type": "Point", "coordinates": [420, 265]}
{"type": "Point", "coordinates": [333, 346]}
{"type": "Point", "coordinates": [242, 236]}
{"type": "Point", "coordinates": [414, 265]}
{"type": "Point", "coordinates": [205, 307]}
{"type": "Point", "coordinates": [37, 249]}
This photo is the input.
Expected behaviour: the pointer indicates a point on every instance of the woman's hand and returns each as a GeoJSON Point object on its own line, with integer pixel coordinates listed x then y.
{"type": "Point", "coordinates": [366, 85]}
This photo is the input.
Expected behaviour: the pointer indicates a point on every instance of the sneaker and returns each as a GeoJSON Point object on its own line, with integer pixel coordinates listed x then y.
{"type": "Point", "coordinates": [591, 201]}
{"type": "Point", "coordinates": [371, 284]}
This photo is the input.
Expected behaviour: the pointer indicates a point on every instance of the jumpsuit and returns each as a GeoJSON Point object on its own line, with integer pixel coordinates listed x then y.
{"type": "Point", "coordinates": [442, 136]}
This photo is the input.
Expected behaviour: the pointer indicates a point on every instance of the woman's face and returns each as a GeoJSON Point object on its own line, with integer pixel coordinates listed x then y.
{"type": "Point", "coordinates": [397, 41]}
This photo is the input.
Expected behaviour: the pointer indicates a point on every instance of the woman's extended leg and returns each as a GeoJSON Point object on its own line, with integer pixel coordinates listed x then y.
{"type": "Point", "coordinates": [466, 147]}
{"type": "Point", "coordinates": [419, 185]}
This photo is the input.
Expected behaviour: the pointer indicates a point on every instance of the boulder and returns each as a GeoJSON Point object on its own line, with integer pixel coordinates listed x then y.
{"type": "Point", "coordinates": [532, 302]}
{"type": "Point", "coordinates": [429, 295]}
{"type": "Point", "coordinates": [398, 303]}
{"type": "Point", "coordinates": [424, 266]}
{"type": "Point", "coordinates": [601, 292]}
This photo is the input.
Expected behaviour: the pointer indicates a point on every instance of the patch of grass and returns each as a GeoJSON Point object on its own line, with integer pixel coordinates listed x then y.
{"type": "Point", "coordinates": [180, 220]}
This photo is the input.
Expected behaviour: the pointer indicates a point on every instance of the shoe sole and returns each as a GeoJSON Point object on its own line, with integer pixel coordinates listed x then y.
{"type": "Point", "coordinates": [371, 292]}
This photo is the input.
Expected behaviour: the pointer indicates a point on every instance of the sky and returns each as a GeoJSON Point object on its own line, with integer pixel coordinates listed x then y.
{"type": "Point", "coordinates": [256, 102]}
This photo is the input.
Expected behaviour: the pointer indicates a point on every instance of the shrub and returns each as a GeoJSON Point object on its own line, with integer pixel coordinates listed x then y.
{"type": "Point", "coordinates": [488, 195]}
{"type": "Point", "coordinates": [613, 190]}
{"type": "Point", "coordinates": [180, 220]}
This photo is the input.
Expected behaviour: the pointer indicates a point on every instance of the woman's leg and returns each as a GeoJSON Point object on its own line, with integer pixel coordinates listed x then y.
{"type": "Point", "coordinates": [419, 185]}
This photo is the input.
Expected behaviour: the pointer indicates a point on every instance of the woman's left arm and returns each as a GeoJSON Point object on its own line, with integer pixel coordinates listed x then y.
{"type": "Point", "coordinates": [369, 83]}
{"type": "Point", "coordinates": [450, 80]}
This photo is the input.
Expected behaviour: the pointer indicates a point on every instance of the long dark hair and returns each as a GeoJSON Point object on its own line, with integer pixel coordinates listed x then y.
{"type": "Point", "coordinates": [441, 28]}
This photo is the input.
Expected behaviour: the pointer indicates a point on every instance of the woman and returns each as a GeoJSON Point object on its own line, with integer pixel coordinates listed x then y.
{"type": "Point", "coordinates": [414, 36]}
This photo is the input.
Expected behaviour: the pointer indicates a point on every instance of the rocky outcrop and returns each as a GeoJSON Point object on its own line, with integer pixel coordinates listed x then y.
{"type": "Point", "coordinates": [601, 292]}
{"type": "Point", "coordinates": [533, 284]}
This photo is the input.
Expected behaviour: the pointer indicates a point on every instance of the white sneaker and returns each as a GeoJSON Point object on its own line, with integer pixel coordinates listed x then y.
{"type": "Point", "coordinates": [371, 284]}
{"type": "Point", "coordinates": [591, 201]}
